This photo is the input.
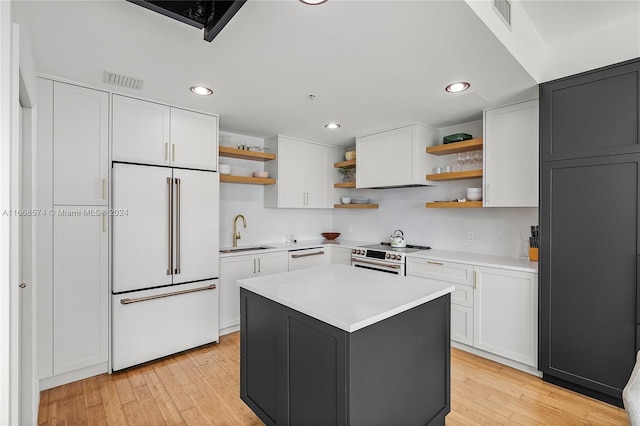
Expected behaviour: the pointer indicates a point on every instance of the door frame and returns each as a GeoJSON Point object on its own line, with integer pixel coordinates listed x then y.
{"type": "Point", "coordinates": [9, 225]}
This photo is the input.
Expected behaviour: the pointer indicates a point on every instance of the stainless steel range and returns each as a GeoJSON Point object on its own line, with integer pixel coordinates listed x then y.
{"type": "Point", "coordinates": [382, 257]}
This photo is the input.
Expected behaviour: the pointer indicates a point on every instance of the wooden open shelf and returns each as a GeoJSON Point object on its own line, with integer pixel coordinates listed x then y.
{"type": "Point", "coordinates": [242, 154]}
{"type": "Point", "coordinates": [349, 164]}
{"type": "Point", "coordinates": [355, 206]}
{"type": "Point", "coordinates": [454, 205]}
{"type": "Point", "coordinates": [456, 147]}
{"type": "Point", "coordinates": [468, 174]}
{"type": "Point", "coordinates": [244, 179]}
{"type": "Point", "coordinates": [344, 185]}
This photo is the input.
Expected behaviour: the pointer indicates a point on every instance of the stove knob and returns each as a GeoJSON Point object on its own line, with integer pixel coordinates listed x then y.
{"type": "Point", "coordinates": [353, 251]}
{"type": "Point", "coordinates": [397, 257]}
{"type": "Point", "coordinates": [388, 256]}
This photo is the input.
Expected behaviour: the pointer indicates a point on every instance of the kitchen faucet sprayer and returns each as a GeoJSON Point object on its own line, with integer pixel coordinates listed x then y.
{"type": "Point", "coordinates": [236, 233]}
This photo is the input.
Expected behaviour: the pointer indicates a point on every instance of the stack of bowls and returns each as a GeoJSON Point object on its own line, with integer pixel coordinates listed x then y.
{"type": "Point", "coordinates": [474, 194]}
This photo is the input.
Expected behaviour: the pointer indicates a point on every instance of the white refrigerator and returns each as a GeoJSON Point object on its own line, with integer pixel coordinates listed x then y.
{"type": "Point", "coordinates": [165, 261]}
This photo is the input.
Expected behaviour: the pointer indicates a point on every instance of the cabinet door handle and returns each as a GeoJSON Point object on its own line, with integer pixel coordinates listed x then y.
{"type": "Point", "coordinates": [166, 151]}
{"type": "Point", "coordinates": [297, 256]}
{"type": "Point", "coordinates": [254, 266]}
{"type": "Point", "coordinates": [259, 266]}
{"type": "Point", "coordinates": [104, 189]}
{"type": "Point", "coordinates": [435, 263]}
{"type": "Point", "coordinates": [170, 227]}
{"type": "Point", "coordinates": [178, 225]}
{"type": "Point", "coordinates": [475, 279]}
{"type": "Point", "coordinates": [173, 152]}
{"type": "Point", "coordinates": [104, 223]}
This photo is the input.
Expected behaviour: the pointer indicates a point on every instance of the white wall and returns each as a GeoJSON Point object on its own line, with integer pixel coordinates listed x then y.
{"type": "Point", "coordinates": [500, 231]}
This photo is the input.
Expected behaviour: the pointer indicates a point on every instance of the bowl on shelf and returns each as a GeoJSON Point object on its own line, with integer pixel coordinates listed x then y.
{"type": "Point", "coordinates": [474, 194]}
{"type": "Point", "coordinates": [345, 200]}
{"type": "Point", "coordinates": [260, 174]}
{"type": "Point", "coordinates": [361, 200]}
{"type": "Point", "coordinates": [225, 169]}
{"type": "Point", "coordinates": [330, 235]}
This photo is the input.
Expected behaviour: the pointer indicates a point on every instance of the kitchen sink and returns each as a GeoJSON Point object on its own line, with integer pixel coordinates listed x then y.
{"type": "Point", "coordinates": [241, 249]}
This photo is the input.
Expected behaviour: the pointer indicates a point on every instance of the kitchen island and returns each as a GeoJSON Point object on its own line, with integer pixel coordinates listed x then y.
{"type": "Point", "coordinates": [345, 346]}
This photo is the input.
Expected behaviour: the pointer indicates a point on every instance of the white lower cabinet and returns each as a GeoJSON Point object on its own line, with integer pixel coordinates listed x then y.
{"type": "Point", "coordinates": [492, 309]}
{"type": "Point", "coordinates": [80, 289]}
{"type": "Point", "coordinates": [237, 268]}
{"type": "Point", "coordinates": [460, 275]}
{"type": "Point", "coordinates": [461, 324]}
{"type": "Point", "coordinates": [506, 314]}
{"type": "Point", "coordinates": [340, 255]}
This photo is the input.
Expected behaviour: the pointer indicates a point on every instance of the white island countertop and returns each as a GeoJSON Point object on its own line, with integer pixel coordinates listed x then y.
{"type": "Point", "coordinates": [346, 297]}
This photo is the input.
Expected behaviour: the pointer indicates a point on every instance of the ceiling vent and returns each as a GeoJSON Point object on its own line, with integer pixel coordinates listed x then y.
{"type": "Point", "coordinates": [503, 9]}
{"type": "Point", "coordinates": [123, 80]}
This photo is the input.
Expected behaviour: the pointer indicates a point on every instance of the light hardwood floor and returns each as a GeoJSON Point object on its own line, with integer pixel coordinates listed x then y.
{"type": "Point", "coordinates": [201, 387]}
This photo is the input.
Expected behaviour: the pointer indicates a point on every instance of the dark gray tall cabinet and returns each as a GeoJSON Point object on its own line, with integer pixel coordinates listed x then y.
{"type": "Point", "coordinates": [589, 223]}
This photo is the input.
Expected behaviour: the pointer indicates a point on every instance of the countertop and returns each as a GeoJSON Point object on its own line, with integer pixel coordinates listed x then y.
{"type": "Point", "coordinates": [300, 245]}
{"type": "Point", "coordinates": [345, 297]}
{"type": "Point", "coordinates": [493, 261]}
{"type": "Point", "coordinates": [477, 259]}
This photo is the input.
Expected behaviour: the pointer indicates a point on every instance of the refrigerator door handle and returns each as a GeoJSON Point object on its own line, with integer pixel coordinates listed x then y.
{"type": "Point", "coordinates": [170, 228]}
{"type": "Point", "coordinates": [178, 238]}
{"type": "Point", "coordinates": [127, 301]}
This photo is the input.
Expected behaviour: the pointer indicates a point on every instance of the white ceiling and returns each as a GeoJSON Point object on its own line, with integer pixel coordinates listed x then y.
{"type": "Point", "coordinates": [372, 65]}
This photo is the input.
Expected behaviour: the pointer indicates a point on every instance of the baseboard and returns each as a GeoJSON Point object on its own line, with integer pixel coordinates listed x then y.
{"type": "Point", "coordinates": [497, 358]}
{"type": "Point", "coordinates": [229, 330]}
{"type": "Point", "coordinates": [73, 376]}
{"type": "Point", "coordinates": [584, 390]}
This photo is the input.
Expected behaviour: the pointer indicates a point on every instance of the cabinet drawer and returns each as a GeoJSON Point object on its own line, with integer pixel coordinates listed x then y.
{"type": "Point", "coordinates": [462, 324]}
{"type": "Point", "coordinates": [462, 295]}
{"type": "Point", "coordinates": [457, 273]}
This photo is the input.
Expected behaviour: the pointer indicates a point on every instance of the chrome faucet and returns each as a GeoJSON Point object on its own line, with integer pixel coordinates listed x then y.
{"type": "Point", "coordinates": [236, 233]}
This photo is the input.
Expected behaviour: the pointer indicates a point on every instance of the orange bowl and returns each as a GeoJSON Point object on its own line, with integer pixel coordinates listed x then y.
{"type": "Point", "coordinates": [330, 235]}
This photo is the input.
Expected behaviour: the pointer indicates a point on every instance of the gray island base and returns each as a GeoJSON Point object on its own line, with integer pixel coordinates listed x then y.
{"type": "Point", "coordinates": [337, 345]}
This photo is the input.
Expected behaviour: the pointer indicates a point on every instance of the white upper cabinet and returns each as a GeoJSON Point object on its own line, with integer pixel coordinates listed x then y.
{"type": "Point", "coordinates": [395, 157]}
{"type": "Point", "coordinates": [194, 140]}
{"type": "Point", "coordinates": [140, 131]}
{"type": "Point", "coordinates": [80, 145]}
{"type": "Point", "coordinates": [511, 155]}
{"type": "Point", "coordinates": [303, 174]}
{"type": "Point", "coordinates": [150, 133]}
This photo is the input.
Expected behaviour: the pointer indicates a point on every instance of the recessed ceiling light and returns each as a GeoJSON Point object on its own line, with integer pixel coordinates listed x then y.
{"type": "Point", "coordinates": [201, 90]}
{"type": "Point", "coordinates": [457, 87]}
{"type": "Point", "coordinates": [313, 2]}
{"type": "Point", "coordinates": [332, 126]}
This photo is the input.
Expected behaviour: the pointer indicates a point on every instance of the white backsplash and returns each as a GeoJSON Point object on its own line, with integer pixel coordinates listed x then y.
{"type": "Point", "coordinates": [498, 231]}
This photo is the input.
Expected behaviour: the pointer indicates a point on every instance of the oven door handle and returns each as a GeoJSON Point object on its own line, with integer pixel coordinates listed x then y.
{"type": "Point", "coordinates": [383, 265]}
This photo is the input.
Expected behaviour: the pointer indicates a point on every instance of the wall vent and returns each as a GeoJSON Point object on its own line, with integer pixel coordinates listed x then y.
{"type": "Point", "coordinates": [122, 80]}
{"type": "Point", "coordinates": [503, 9]}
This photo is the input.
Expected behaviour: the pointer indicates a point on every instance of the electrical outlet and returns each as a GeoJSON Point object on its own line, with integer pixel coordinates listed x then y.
{"type": "Point", "coordinates": [470, 237]}
{"type": "Point", "coordinates": [349, 229]}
